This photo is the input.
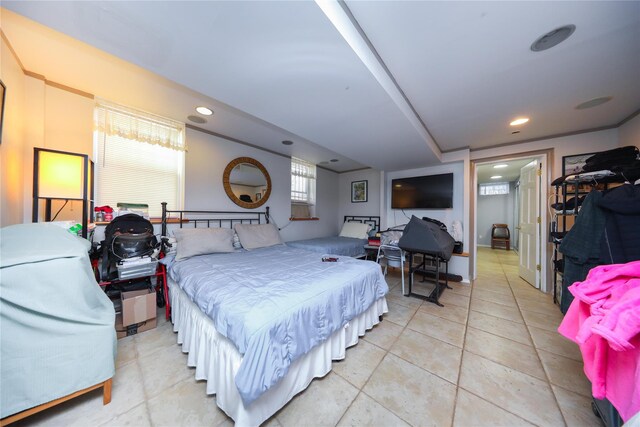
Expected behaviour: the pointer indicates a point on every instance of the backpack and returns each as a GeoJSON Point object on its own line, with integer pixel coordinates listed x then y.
{"type": "Point", "coordinates": [127, 236]}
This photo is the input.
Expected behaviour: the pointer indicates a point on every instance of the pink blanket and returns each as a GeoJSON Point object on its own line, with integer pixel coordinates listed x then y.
{"type": "Point", "coordinates": [604, 320]}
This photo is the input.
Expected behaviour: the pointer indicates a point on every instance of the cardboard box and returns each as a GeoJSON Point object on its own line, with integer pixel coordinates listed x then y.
{"type": "Point", "coordinates": [138, 306]}
{"type": "Point", "coordinates": [136, 328]}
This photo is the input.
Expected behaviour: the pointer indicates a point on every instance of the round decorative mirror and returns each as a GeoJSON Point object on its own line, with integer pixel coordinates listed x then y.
{"type": "Point", "coordinates": [247, 182]}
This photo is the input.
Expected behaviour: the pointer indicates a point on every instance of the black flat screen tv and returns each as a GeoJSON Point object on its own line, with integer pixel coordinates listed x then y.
{"type": "Point", "coordinates": [423, 192]}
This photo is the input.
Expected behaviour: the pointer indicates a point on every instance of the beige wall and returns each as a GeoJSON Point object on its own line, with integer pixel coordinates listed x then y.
{"type": "Point", "coordinates": [206, 160]}
{"type": "Point", "coordinates": [590, 142]}
{"type": "Point", "coordinates": [12, 150]}
{"type": "Point", "coordinates": [373, 205]}
{"type": "Point", "coordinates": [629, 133]}
{"type": "Point", "coordinates": [57, 119]}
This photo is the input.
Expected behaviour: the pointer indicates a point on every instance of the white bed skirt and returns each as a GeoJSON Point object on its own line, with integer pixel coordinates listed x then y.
{"type": "Point", "coordinates": [217, 360]}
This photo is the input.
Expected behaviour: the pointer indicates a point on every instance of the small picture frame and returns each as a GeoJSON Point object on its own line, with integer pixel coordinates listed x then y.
{"type": "Point", "coordinates": [359, 191]}
{"type": "Point", "coordinates": [573, 164]}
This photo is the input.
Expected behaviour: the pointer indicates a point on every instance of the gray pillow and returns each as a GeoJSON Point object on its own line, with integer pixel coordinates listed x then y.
{"type": "Point", "coordinates": [202, 241]}
{"type": "Point", "coordinates": [258, 235]}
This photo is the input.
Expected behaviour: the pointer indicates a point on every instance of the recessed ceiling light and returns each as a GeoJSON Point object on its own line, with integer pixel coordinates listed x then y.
{"type": "Point", "coordinates": [552, 38]}
{"type": "Point", "coordinates": [594, 102]}
{"type": "Point", "coordinates": [520, 121]}
{"type": "Point", "coordinates": [500, 166]}
{"type": "Point", "coordinates": [496, 176]}
{"type": "Point", "coordinates": [334, 160]}
{"type": "Point", "coordinates": [197, 119]}
{"type": "Point", "coordinates": [287, 142]}
{"type": "Point", "coordinates": [204, 111]}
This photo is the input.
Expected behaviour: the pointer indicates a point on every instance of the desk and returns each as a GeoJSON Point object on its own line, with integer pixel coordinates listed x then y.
{"type": "Point", "coordinates": [422, 268]}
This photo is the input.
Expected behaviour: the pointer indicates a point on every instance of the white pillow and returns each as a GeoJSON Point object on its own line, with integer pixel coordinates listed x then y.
{"type": "Point", "coordinates": [202, 241]}
{"type": "Point", "coordinates": [254, 236]}
{"type": "Point", "coordinates": [357, 230]}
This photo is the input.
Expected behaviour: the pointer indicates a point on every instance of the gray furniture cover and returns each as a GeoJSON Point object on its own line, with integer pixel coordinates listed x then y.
{"type": "Point", "coordinates": [56, 324]}
{"type": "Point", "coordinates": [426, 237]}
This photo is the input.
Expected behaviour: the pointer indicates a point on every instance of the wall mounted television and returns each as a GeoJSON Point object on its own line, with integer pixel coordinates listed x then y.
{"type": "Point", "coordinates": [423, 192]}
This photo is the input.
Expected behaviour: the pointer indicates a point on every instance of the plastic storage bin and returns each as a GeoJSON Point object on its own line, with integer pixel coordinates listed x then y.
{"type": "Point", "coordinates": [134, 208]}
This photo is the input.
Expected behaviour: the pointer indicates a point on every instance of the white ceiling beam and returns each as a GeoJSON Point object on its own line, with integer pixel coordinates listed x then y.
{"type": "Point", "coordinates": [354, 36]}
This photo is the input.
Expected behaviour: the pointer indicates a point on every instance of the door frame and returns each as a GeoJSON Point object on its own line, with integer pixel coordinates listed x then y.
{"type": "Point", "coordinates": [547, 159]}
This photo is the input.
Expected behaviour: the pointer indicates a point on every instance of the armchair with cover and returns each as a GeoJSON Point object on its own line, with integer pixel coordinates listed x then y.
{"type": "Point", "coordinates": [56, 324]}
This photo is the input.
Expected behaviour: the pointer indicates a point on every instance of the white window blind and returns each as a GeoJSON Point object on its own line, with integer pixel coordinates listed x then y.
{"type": "Point", "coordinates": [303, 182]}
{"type": "Point", "coordinates": [139, 158]}
{"type": "Point", "coordinates": [494, 189]}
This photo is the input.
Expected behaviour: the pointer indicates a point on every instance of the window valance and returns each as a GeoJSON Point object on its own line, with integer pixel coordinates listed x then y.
{"type": "Point", "coordinates": [116, 120]}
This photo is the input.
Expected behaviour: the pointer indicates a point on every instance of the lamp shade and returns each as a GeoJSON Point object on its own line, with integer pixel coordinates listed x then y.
{"type": "Point", "coordinates": [60, 175]}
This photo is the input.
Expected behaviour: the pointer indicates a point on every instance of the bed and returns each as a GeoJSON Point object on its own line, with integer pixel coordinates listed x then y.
{"type": "Point", "coordinates": [260, 324]}
{"type": "Point", "coordinates": [341, 245]}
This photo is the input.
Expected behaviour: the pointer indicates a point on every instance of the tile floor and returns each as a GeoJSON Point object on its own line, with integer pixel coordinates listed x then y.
{"type": "Point", "coordinates": [490, 357]}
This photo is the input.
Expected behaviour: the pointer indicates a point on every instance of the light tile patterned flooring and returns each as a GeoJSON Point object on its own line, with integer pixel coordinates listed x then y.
{"type": "Point", "coordinates": [490, 357]}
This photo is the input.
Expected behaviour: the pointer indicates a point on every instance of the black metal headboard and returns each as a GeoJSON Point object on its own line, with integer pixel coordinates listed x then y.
{"type": "Point", "coordinates": [373, 221]}
{"type": "Point", "coordinates": [219, 219]}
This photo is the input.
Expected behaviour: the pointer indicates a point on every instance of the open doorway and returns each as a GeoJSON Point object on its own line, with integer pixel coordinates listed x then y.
{"type": "Point", "coordinates": [497, 202]}
{"type": "Point", "coordinates": [512, 192]}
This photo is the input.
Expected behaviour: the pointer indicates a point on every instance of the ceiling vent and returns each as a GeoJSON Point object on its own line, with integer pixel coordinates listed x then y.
{"type": "Point", "coordinates": [594, 102]}
{"type": "Point", "coordinates": [553, 38]}
{"type": "Point", "coordinates": [196, 119]}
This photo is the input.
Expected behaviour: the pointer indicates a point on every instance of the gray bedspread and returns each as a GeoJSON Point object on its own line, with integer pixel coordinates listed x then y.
{"type": "Point", "coordinates": [334, 245]}
{"type": "Point", "coordinates": [277, 303]}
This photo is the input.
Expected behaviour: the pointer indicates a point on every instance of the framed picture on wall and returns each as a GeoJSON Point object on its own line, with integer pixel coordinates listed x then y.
{"type": "Point", "coordinates": [574, 164]}
{"type": "Point", "coordinates": [3, 89]}
{"type": "Point", "coordinates": [359, 191]}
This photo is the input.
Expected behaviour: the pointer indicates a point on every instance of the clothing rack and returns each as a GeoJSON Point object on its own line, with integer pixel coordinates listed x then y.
{"type": "Point", "coordinates": [602, 408]}
{"type": "Point", "coordinates": [562, 193]}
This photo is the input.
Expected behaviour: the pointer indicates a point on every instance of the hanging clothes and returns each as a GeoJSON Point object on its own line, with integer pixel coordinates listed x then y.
{"type": "Point", "coordinates": [621, 240]}
{"type": "Point", "coordinates": [581, 245]}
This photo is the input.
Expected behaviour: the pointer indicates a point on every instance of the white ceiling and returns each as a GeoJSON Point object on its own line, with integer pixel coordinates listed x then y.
{"type": "Point", "coordinates": [284, 70]}
{"type": "Point", "coordinates": [508, 174]}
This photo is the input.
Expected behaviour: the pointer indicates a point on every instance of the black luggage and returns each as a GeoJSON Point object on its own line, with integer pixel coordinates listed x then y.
{"type": "Point", "coordinates": [127, 236]}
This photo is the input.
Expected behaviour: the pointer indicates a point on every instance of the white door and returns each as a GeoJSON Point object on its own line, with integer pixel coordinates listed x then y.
{"type": "Point", "coordinates": [529, 213]}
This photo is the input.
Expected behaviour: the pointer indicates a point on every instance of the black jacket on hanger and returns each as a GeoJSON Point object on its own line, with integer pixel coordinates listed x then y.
{"type": "Point", "coordinates": [621, 239]}
{"type": "Point", "coordinates": [581, 245]}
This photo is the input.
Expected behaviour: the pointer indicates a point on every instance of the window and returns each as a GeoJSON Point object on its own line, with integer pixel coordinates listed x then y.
{"type": "Point", "coordinates": [303, 188]}
{"type": "Point", "coordinates": [139, 158]}
{"type": "Point", "coordinates": [494, 189]}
